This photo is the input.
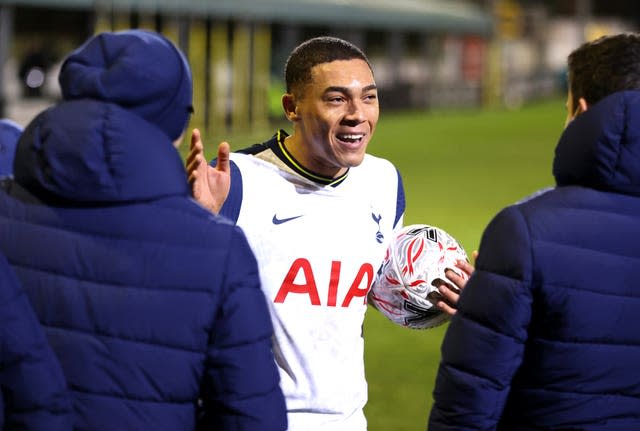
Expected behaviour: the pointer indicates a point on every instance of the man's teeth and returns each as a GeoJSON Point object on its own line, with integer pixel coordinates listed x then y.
{"type": "Point", "coordinates": [350, 137]}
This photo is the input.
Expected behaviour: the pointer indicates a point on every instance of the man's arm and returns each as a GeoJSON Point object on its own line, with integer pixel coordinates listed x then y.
{"type": "Point", "coordinates": [484, 343]}
{"type": "Point", "coordinates": [241, 389]}
{"type": "Point", "coordinates": [31, 379]}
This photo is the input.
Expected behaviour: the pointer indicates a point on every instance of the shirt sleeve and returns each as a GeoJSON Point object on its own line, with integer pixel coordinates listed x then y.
{"type": "Point", "coordinates": [400, 204]}
{"type": "Point", "coordinates": [231, 206]}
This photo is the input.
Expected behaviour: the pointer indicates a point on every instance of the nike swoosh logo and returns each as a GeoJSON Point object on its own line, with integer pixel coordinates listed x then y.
{"type": "Point", "coordinates": [277, 220]}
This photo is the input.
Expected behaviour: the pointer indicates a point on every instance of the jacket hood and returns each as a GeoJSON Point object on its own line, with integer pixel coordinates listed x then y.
{"type": "Point", "coordinates": [88, 151]}
{"type": "Point", "coordinates": [140, 70]}
{"type": "Point", "coordinates": [600, 148]}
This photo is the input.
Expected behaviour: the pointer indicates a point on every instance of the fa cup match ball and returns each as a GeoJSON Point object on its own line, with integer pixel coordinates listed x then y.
{"type": "Point", "coordinates": [405, 288]}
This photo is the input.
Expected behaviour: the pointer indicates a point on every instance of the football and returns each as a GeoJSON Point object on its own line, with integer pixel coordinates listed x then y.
{"type": "Point", "coordinates": [405, 288]}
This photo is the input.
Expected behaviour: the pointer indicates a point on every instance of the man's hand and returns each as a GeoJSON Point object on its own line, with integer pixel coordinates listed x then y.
{"type": "Point", "coordinates": [450, 294]}
{"type": "Point", "coordinates": [209, 185]}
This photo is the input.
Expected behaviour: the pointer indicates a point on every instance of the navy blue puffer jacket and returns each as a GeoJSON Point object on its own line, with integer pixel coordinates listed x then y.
{"type": "Point", "coordinates": [152, 304]}
{"type": "Point", "coordinates": [33, 391]}
{"type": "Point", "coordinates": [547, 336]}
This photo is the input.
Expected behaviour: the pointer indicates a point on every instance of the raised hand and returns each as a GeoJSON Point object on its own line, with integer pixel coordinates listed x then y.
{"type": "Point", "coordinates": [209, 185]}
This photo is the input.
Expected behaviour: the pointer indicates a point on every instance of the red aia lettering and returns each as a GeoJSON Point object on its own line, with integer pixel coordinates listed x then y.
{"type": "Point", "coordinates": [310, 288]}
{"type": "Point", "coordinates": [365, 270]}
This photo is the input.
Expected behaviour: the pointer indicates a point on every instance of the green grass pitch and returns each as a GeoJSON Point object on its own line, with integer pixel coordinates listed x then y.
{"type": "Point", "coordinates": [459, 169]}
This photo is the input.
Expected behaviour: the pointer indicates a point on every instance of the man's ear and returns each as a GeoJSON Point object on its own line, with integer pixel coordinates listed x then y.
{"type": "Point", "coordinates": [582, 106]}
{"type": "Point", "coordinates": [289, 106]}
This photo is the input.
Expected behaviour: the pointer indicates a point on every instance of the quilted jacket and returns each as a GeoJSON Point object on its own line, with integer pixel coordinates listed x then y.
{"type": "Point", "coordinates": [152, 304]}
{"type": "Point", "coordinates": [547, 336]}
{"type": "Point", "coordinates": [33, 391]}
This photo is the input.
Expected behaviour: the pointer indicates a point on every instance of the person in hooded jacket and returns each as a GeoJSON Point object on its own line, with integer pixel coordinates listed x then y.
{"type": "Point", "coordinates": [33, 391]}
{"type": "Point", "coordinates": [546, 333]}
{"type": "Point", "coordinates": [101, 230]}
{"type": "Point", "coordinates": [10, 132]}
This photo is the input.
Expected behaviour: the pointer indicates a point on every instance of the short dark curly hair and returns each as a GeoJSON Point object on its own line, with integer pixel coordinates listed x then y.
{"type": "Point", "coordinates": [318, 50]}
{"type": "Point", "coordinates": [605, 66]}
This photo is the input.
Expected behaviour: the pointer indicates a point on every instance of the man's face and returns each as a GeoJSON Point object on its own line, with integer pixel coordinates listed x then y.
{"type": "Point", "coordinates": [336, 114]}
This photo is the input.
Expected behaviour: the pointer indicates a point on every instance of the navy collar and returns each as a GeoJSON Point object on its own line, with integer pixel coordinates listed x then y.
{"type": "Point", "coordinates": [280, 150]}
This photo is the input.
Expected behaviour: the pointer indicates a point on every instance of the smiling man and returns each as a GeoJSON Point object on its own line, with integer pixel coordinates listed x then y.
{"type": "Point", "coordinates": [319, 213]}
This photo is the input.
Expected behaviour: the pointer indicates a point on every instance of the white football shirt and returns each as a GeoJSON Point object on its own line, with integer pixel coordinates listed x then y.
{"type": "Point", "coordinates": [318, 243]}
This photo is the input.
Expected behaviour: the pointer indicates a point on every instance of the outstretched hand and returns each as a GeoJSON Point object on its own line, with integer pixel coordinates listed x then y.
{"type": "Point", "coordinates": [209, 185]}
{"type": "Point", "coordinates": [451, 294]}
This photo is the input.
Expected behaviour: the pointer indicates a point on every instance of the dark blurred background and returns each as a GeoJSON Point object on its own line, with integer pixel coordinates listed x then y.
{"type": "Point", "coordinates": [427, 54]}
